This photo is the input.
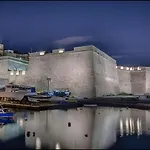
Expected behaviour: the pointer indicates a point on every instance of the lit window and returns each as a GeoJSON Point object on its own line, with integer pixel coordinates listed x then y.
{"type": "Point", "coordinates": [61, 51]}
{"type": "Point", "coordinates": [138, 68]}
{"type": "Point", "coordinates": [42, 52]}
{"type": "Point", "coordinates": [121, 67]}
{"type": "Point", "coordinates": [17, 73]}
{"type": "Point", "coordinates": [11, 73]}
{"type": "Point", "coordinates": [23, 72]}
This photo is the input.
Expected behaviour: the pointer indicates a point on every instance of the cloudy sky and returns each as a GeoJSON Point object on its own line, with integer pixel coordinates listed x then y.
{"type": "Point", "coordinates": [121, 29]}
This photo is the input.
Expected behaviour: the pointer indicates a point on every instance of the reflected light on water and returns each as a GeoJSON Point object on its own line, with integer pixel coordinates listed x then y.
{"type": "Point", "coordinates": [121, 127]}
{"type": "Point", "coordinates": [127, 126]}
{"type": "Point", "coordinates": [57, 146]}
{"type": "Point", "coordinates": [138, 127]}
{"type": "Point", "coordinates": [21, 122]}
{"type": "Point", "coordinates": [38, 143]}
{"type": "Point", "coordinates": [131, 126]}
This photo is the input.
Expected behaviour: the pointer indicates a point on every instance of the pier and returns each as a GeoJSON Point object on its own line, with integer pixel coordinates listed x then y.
{"type": "Point", "coordinates": [120, 101]}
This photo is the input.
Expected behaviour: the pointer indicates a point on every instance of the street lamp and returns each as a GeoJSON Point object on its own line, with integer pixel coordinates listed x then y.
{"type": "Point", "coordinates": [48, 81]}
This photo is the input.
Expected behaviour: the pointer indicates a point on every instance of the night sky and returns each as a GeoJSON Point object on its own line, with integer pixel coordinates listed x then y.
{"type": "Point", "coordinates": [121, 29]}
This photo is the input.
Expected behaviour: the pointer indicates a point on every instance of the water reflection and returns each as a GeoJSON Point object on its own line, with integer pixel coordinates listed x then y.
{"type": "Point", "coordinates": [9, 129]}
{"type": "Point", "coordinates": [85, 128]}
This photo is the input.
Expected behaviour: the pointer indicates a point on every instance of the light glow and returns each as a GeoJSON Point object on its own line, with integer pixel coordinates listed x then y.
{"type": "Point", "coordinates": [57, 146]}
{"type": "Point", "coordinates": [11, 73]}
{"type": "Point", "coordinates": [42, 53]}
{"type": "Point", "coordinates": [127, 68]}
{"type": "Point", "coordinates": [23, 72]}
{"type": "Point", "coordinates": [61, 51]}
{"type": "Point", "coordinates": [131, 126]}
{"type": "Point", "coordinates": [38, 143]}
{"type": "Point", "coordinates": [127, 126]}
{"type": "Point", "coordinates": [121, 127]}
{"type": "Point", "coordinates": [131, 68]}
{"type": "Point", "coordinates": [17, 73]}
{"type": "Point", "coordinates": [138, 126]}
{"type": "Point", "coordinates": [21, 122]}
{"type": "Point", "coordinates": [121, 67]}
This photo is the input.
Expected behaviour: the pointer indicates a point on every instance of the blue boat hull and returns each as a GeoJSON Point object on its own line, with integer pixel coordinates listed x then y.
{"type": "Point", "coordinates": [6, 114]}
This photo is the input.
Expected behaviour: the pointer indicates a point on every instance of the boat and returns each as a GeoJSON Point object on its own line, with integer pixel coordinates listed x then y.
{"type": "Point", "coordinates": [16, 92]}
{"type": "Point", "coordinates": [39, 98]}
{"type": "Point", "coordinates": [5, 113]}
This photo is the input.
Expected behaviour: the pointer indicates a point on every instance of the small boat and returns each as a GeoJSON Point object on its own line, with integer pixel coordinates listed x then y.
{"type": "Point", "coordinates": [4, 112]}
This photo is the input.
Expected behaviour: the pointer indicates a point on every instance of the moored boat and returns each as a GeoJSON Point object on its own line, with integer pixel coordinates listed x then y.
{"type": "Point", "coordinates": [5, 113]}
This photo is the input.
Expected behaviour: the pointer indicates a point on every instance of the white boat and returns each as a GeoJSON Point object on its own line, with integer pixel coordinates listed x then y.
{"type": "Point", "coordinates": [17, 91]}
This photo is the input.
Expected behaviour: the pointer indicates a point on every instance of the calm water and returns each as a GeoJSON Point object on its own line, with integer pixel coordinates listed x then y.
{"type": "Point", "coordinates": [103, 128]}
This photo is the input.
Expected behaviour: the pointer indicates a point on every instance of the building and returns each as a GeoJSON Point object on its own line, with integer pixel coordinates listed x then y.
{"type": "Point", "coordinates": [12, 66]}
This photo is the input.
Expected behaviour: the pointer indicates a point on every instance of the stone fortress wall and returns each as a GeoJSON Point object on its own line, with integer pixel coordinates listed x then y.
{"type": "Point", "coordinates": [86, 71]}
{"type": "Point", "coordinates": [135, 80]}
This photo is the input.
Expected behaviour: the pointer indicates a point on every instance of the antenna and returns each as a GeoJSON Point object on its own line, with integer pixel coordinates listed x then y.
{"type": "Point", "coordinates": [31, 49]}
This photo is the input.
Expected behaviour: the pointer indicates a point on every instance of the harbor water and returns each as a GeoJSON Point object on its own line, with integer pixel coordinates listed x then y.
{"type": "Point", "coordinates": [85, 127]}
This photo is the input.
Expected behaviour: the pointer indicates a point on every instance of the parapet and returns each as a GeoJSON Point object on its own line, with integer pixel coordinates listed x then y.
{"type": "Point", "coordinates": [84, 48]}
{"type": "Point", "coordinates": [93, 48]}
{"type": "Point", "coordinates": [76, 49]}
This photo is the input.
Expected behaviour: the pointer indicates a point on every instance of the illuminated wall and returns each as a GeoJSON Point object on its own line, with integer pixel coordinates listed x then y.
{"type": "Point", "coordinates": [134, 80]}
{"type": "Point", "coordinates": [86, 71]}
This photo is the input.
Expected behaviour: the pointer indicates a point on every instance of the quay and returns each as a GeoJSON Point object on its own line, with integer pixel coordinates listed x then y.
{"type": "Point", "coordinates": [40, 106]}
{"type": "Point", "coordinates": [121, 101]}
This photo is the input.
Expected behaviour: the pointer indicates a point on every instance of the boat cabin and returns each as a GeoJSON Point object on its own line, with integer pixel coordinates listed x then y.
{"type": "Point", "coordinates": [19, 88]}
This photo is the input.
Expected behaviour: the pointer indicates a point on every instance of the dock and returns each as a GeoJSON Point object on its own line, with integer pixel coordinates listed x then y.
{"type": "Point", "coordinates": [40, 107]}
{"type": "Point", "coordinates": [128, 102]}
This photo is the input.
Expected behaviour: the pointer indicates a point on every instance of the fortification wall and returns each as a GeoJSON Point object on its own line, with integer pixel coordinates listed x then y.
{"type": "Point", "coordinates": [106, 77]}
{"type": "Point", "coordinates": [133, 80]}
{"type": "Point", "coordinates": [86, 71]}
{"type": "Point", "coordinates": [124, 80]}
{"type": "Point", "coordinates": [138, 82]}
{"type": "Point", "coordinates": [68, 70]}
{"type": "Point", "coordinates": [147, 69]}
